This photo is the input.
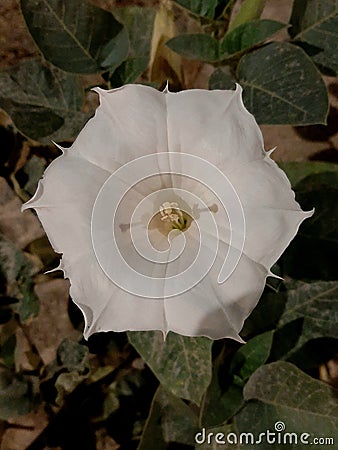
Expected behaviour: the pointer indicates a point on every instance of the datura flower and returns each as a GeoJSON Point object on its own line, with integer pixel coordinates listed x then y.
{"type": "Point", "coordinates": [168, 212]}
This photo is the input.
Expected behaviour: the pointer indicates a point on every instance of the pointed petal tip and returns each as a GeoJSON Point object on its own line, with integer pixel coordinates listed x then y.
{"type": "Point", "coordinates": [102, 93]}
{"type": "Point", "coordinates": [269, 152]}
{"type": "Point", "coordinates": [308, 214]}
{"type": "Point", "coordinates": [88, 328]}
{"type": "Point", "coordinates": [98, 90]}
{"type": "Point", "coordinates": [25, 206]}
{"type": "Point", "coordinates": [239, 98]}
{"type": "Point", "coordinates": [30, 204]}
{"type": "Point", "coordinates": [63, 149]}
{"type": "Point", "coordinates": [166, 89]}
{"type": "Point", "coordinates": [238, 339]}
{"type": "Point", "coordinates": [86, 335]}
{"type": "Point", "coordinates": [33, 202]}
{"type": "Point", "coordinates": [238, 89]}
{"type": "Point", "coordinates": [88, 316]}
{"type": "Point", "coordinates": [58, 267]}
{"type": "Point", "coordinates": [273, 275]}
{"type": "Point", "coordinates": [165, 334]}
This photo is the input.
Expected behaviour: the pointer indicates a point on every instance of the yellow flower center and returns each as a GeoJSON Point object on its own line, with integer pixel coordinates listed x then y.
{"type": "Point", "coordinates": [171, 213]}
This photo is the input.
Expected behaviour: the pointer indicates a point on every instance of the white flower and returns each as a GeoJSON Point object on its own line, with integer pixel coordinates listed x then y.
{"type": "Point", "coordinates": [168, 212]}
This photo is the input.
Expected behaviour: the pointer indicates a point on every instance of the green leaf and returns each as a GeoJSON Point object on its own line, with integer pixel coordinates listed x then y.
{"type": "Point", "coordinates": [298, 171]}
{"type": "Point", "coordinates": [195, 46]}
{"type": "Point", "coordinates": [182, 364]}
{"type": "Point", "coordinates": [29, 305]}
{"type": "Point", "coordinates": [43, 102]}
{"type": "Point", "coordinates": [138, 23]}
{"type": "Point", "coordinates": [266, 314]}
{"type": "Point", "coordinates": [315, 22]}
{"type": "Point", "coordinates": [66, 383]}
{"type": "Point", "coordinates": [220, 79]}
{"type": "Point", "coordinates": [169, 420]}
{"type": "Point", "coordinates": [204, 8]}
{"type": "Point", "coordinates": [73, 356]}
{"type": "Point", "coordinates": [7, 351]}
{"type": "Point", "coordinates": [203, 47]}
{"type": "Point", "coordinates": [316, 305]}
{"type": "Point", "coordinates": [220, 404]}
{"type": "Point", "coordinates": [250, 10]}
{"type": "Point", "coordinates": [313, 252]}
{"type": "Point", "coordinates": [110, 403]}
{"type": "Point", "coordinates": [280, 392]}
{"type": "Point", "coordinates": [128, 71]}
{"type": "Point", "coordinates": [252, 355]}
{"type": "Point", "coordinates": [16, 271]}
{"type": "Point", "coordinates": [15, 396]}
{"type": "Point", "coordinates": [247, 35]}
{"type": "Point", "coordinates": [115, 51]}
{"type": "Point", "coordinates": [224, 396]}
{"type": "Point", "coordinates": [282, 86]}
{"type": "Point", "coordinates": [33, 169]}
{"type": "Point", "coordinates": [75, 36]}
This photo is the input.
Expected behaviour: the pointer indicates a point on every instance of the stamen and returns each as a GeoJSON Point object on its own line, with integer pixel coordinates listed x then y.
{"type": "Point", "coordinates": [124, 227]}
{"type": "Point", "coordinates": [170, 212]}
{"type": "Point", "coordinates": [212, 208]}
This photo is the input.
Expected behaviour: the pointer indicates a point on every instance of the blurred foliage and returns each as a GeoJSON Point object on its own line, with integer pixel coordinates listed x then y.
{"type": "Point", "coordinates": [132, 390]}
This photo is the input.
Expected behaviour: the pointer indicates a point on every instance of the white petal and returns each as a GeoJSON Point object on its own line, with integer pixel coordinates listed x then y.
{"type": "Point", "coordinates": [272, 214]}
{"type": "Point", "coordinates": [134, 121]}
{"type": "Point", "coordinates": [105, 306]}
{"type": "Point", "coordinates": [64, 201]}
{"type": "Point", "coordinates": [130, 122]}
{"type": "Point", "coordinates": [269, 231]}
{"type": "Point", "coordinates": [213, 125]}
{"type": "Point", "coordinates": [262, 184]}
{"type": "Point", "coordinates": [218, 310]}
{"type": "Point", "coordinates": [240, 293]}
